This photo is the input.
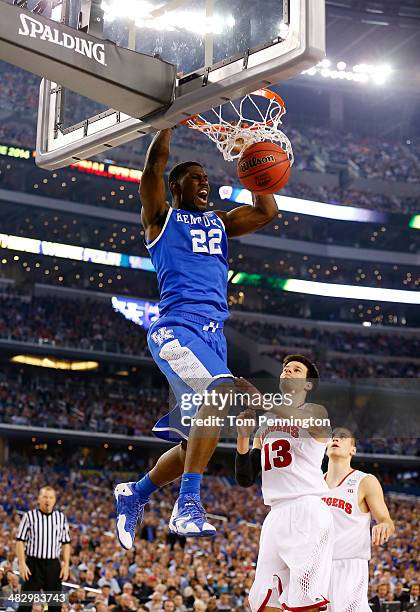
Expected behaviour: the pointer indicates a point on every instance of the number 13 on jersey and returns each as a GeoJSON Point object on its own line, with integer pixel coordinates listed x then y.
{"type": "Point", "coordinates": [277, 454]}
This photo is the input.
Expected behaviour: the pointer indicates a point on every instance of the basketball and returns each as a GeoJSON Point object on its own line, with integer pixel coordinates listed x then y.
{"type": "Point", "coordinates": [264, 168]}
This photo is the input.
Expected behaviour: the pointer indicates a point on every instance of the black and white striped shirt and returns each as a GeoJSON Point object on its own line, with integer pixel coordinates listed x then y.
{"type": "Point", "coordinates": [43, 533]}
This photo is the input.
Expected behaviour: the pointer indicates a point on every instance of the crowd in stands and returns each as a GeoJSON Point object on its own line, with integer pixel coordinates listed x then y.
{"type": "Point", "coordinates": [319, 338]}
{"type": "Point", "coordinates": [71, 185]}
{"type": "Point", "coordinates": [220, 173]}
{"type": "Point", "coordinates": [129, 239]}
{"type": "Point", "coordinates": [353, 197]}
{"type": "Point", "coordinates": [245, 258]}
{"type": "Point", "coordinates": [163, 573]}
{"type": "Point", "coordinates": [93, 326]}
{"type": "Point", "coordinates": [360, 368]}
{"type": "Point", "coordinates": [375, 158]}
{"type": "Point", "coordinates": [59, 322]}
{"type": "Point", "coordinates": [105, 404]}
{"type": "Point", "coordinates": [316, 149]}
{"type": "Point", "coordinates": [74, 404]}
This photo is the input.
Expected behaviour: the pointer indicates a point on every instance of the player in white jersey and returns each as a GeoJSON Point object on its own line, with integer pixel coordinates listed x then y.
{"type": "Point", "coordinates": [295, 556]}
{"type": "Point", "coordinates": [353, 498]}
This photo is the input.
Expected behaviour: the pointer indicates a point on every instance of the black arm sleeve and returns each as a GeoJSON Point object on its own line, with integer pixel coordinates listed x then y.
{"type": "Point", "coordinates": [247, 467]}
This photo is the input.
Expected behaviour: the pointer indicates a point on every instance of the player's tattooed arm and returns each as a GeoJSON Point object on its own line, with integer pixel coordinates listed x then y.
{"type": "Point", "coordinates": [371, 492]}
{"type": "Point", "coordinates": [152, 186]}
{"type": "Point", "coordinates": [251, 217]}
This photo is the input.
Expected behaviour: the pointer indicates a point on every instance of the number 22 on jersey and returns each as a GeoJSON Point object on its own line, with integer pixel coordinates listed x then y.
{"type": "Point", "coordinates": [207, 242]}
{"type": "Point", "coordinates": [277, 454]}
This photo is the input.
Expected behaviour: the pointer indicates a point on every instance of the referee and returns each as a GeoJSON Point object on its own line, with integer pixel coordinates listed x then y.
{"type": "Point", "coordinates": [46, 533]}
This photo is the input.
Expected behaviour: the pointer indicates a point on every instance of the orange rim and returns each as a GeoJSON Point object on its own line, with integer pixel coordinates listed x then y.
{"type": "Point", "coordinates": [218, 127]}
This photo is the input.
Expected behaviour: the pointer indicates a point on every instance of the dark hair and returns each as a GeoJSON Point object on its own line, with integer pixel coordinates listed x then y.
{"type": "Point", "coordinates": [178, 171]}
{"type": "Point", "coordinates": [313, 372]}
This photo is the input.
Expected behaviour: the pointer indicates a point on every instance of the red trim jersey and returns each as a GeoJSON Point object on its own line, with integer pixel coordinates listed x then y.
{"type": "Point", "coordinates": [290, 463]}
{"type": "Point", "coordinates": [352, 526]}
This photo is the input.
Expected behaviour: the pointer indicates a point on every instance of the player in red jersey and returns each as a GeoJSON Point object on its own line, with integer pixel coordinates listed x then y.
{"type": "Point", "coordinates": [354, 497]}
{"type": "Point", "coordinates": [295, 556]}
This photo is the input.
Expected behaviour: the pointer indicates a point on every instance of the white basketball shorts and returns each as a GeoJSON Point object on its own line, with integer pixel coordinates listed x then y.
{"type": "Point", "coordinates": [295, 557]}
{"type": "Point", "coordinates": [349, 586]}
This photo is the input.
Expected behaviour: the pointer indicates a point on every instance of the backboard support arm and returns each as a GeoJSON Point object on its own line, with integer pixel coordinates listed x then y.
{"type": "Point", "coordinates": [91, 18]}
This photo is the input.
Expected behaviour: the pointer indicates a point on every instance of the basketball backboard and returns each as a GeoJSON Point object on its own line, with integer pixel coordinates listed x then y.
{"type": "Point", "coordinates": [222, 49]}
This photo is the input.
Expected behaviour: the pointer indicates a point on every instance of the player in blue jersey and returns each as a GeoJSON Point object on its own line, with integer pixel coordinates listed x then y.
{"type": "Point", "coordinates": [188, 247]}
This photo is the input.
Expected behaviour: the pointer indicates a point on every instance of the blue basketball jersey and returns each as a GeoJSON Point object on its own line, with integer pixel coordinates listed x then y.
{"type": "Point", "coordinates": [190, 258]}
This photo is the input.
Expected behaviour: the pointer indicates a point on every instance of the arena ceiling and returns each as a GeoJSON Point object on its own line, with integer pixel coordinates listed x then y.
{"type": "Point", "coordinates": [374, 32]}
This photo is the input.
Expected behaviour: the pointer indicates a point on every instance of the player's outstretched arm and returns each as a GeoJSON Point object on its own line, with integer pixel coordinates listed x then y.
{"type": "Point", "coordinates": [249, 218]}
{"type": "Point", "coordinates": [373, 495]}
{"type": "Point", "coordinates": [152, 185]}
{"type": "Point", "coordinates": [247, 464]}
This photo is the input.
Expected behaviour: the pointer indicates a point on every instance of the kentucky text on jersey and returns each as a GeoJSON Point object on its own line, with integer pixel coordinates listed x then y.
{"type": "Point", "coordinates": [338, 503]}
{"type": "Point", "coordinates": [190, 258]}
{"type": "Point", "coordinates": [190, 219]}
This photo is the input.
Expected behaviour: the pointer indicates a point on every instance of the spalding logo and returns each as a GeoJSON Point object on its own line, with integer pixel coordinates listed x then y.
{"type": "Point", "coordinates": [255, 161]}
{"type": "Point", "coordinates": [35, 29]}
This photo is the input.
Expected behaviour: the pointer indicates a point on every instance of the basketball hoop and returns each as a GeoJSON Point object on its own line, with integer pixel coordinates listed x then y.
{"type": "Point", "coordinates": [233, 136]}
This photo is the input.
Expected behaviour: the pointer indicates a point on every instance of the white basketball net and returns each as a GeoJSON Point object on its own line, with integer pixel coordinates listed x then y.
{"type": "Point", "coordinates": [233, 137]}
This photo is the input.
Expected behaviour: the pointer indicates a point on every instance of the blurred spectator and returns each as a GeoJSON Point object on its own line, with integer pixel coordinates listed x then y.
{"type": "Point", "coordinates": [415, 593]}
{"type": "Point", "coordinates": [106, 596]}
{"type": "Point", "coordinates": [12, 588]}
{"type": "Point", "coordinates": [179, 604]}
{"type": "Point", "coordinates": [224, 602]}
{"type": "Point", "coordinates": [155, 602]}
{"type": "Point", "coordinates": [109, 580]}
{"type": "Point", "coordinates": [402, 595]}
{"type": "Point", "coordinates": [141, 589]}
{"type": "Point", "coordinates": [126, 603]}
{"type": "Point", "coordinates": [383, 594]}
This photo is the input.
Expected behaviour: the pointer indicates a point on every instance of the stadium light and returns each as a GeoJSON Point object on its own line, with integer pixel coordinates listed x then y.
{"type": "Point", "coordinates": [415, 222]}
{"type": "Point", "coordinates": [308, 207]}
{"type": "Point", "coordinates": [55, 364]}
{"type": "Point", "coordinates": [76, 253]}
{"type": "Point", "coordinates": [352, 292]}
{"type": "Point", "coordinates": [147, 310]}
{"type": "Point", "coordinates": [144, 16]}
{"type": "Point", "coordinates": [360, 73]}
{"type": "Point", "coordinates": [333, 290]}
